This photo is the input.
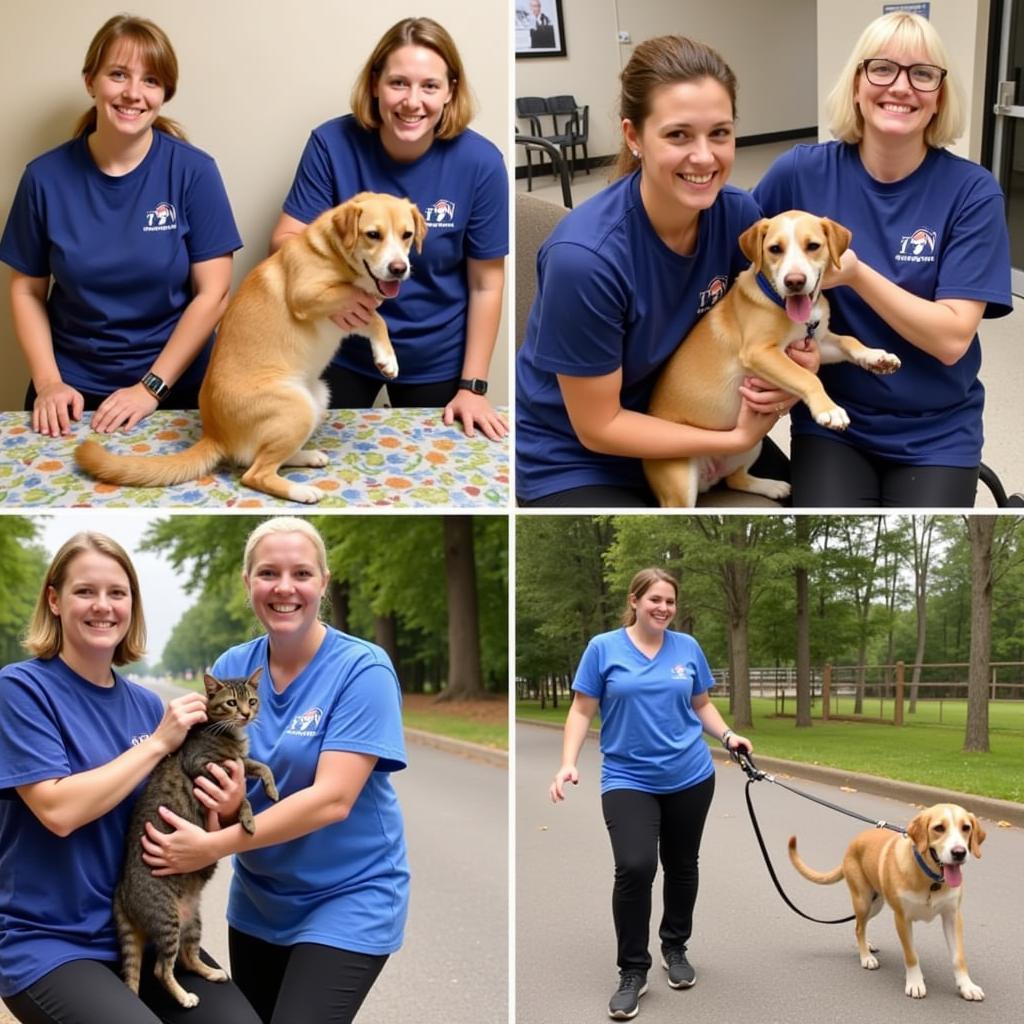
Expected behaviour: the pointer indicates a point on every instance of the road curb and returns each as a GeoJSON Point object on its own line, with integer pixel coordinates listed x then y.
{"type": "Point", "coordinates": [475, 751]}
{"type": "Point", "coordinates": [911, 792]}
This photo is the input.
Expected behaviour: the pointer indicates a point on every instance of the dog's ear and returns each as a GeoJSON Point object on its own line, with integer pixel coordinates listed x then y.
{"type": "Point", "coordinates": [838, 239]}
{"type": "Point", "coordinates": [977, 836]}
{"type": "Point", "coordinates": [917, 830]}
{"type": "Point", "coordinates": [752, 241]}
{"type": "Point", "coordinates": [346, 223]}
{"type": "Point", "coordinates": [419, 226]}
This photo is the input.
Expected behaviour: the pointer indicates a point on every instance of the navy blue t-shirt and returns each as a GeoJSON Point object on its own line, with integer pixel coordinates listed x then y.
{"type": "Point", "coordinates": [461, 187]}
{"type": "Point", "coordinates": [939, 233]}
{"type": "Point", "coordinates": [120, 251]}
{"type": "Point", "coordinates": [611, 295]}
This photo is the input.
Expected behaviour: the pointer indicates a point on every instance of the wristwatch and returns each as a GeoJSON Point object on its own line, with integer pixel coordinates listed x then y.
{"type": "Point", "coordinates": [155, 386]}
{"type": "Point", "coordinates": [475, 384]}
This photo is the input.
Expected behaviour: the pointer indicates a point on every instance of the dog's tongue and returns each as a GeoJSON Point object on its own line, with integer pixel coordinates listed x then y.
{"type": "Point", "coordinates": [389, 289]}
{"type": "Point", "coordinates": [952, 874]}
{"type": "Point", "coordinates": [798, 308]}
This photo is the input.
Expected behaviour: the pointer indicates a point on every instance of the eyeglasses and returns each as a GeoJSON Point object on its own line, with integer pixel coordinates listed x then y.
{"type": "Point", "coordinates": [922, 77]}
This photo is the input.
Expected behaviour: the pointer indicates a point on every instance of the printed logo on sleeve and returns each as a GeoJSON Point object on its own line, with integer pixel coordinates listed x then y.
{"type": "Point", "coordinates": [918, 247]}
{"type": "Point", "coordinates": [440, 214]}
{"type": "Point", "coordinates": [306, 724]}
{"type": "Point", "coordinates": [163, 217]}
{"type": "Point", "coordinates": [714, 291]}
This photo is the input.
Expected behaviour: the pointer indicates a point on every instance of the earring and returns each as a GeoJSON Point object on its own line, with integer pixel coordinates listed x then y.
{"type": "Point", "coordinates": [636, 154]}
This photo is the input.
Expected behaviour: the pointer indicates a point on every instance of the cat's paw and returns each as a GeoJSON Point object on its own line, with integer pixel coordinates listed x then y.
{"type": "Point", "coordinates": [245, 819]}
{"type": "Point", "coordinates": [271, 791]}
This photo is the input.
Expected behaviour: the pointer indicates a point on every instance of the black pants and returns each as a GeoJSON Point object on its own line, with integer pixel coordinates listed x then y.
{"type": "Point", "coordinates": [302, 984]}
{"type": "Point", "coordinates": [771, 463]}
{"type": "Point", "coordinates": [181, 396]}
{"type": "Point", "coordinates": [643, 826]}
{"type": "Point", "coordinates": [351, 390]}
{"type": "Point", "coordinates": [91, 992]}
{"type": "Point", "coordinates": [831, 474]}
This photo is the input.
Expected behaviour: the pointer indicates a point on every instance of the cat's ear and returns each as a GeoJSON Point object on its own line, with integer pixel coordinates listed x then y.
{"type": "Point", "coordinates": [213, 684]}
{"type": "Point", "coordinates": [255, 677]}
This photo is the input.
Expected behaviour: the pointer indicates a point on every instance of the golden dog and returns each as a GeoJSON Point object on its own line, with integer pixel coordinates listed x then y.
{"type": "Point", "coordinates": [262, 396]}
{"type": "Point", "coordinates": [920, 876]}
{"type": "Point", "coordinates": [773, 303]}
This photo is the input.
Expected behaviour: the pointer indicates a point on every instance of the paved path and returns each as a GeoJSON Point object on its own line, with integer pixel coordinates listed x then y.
{"type": "Point", "coordinates": [756, 960]}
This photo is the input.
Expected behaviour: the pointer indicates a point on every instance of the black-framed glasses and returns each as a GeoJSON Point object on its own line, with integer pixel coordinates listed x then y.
{"type": "Point", "coordinates": [922, 77]}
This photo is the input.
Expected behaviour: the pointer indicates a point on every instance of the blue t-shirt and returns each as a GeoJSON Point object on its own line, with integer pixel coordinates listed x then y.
{"type": "Point", "coordinates": [461, 187]}
{"type": "Point", "coordinates": [56, 894]}
{"type": "Point", "coordinates": [120, 251]}
{"type": "Point", "coordinates": [940, 233]}
{"type": "Point", "coordinates": [345, 885]}
{"type": "Point", "coordinates": [611, 295]}
{"type": "Point", "coordinates": [651, 738]}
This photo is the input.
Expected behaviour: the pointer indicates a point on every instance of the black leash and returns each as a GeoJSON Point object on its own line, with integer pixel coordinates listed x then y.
{"type": "Point", "coordinates": [755, 774]}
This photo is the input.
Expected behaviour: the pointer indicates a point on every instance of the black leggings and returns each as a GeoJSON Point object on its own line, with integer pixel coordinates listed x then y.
{"type": "Point", "coordinates": [304, 983]}
{"type": "Point", "coordinates": [350, 390]}
{"type": "Point", "coordinates": [641, 826]}
{"type": "Point", "coordinates": [91, 992]}
{"type": "Point", "coordinates": [832, 474]}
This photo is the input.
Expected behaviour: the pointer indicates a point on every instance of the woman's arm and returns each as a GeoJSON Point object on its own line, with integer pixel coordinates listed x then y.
{"type": "Point", "coordinates": [66, 804]}
{"type": "Point", "coordinates": [944, 328]}
{"type": "Point", "coordinates": [54, 399]}
{"type": "Point", "coordinates": [211, 283]}
{"type": "Point", "coordinates": [486, 283]}
{"type": "Point", "coordinates": [340, 777]}
{"type": "Point", "coordinates": [577, 725]}
{"type": "Point", "coordinates": [602, 425]}
{"type": "Point", "coordinates": [714, 724]}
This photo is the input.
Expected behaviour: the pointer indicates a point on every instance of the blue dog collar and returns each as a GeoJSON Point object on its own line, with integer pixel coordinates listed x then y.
{"type": "Point", "coordinates": [924, 867]}
{"type": "Point", "coordinates": [772, 294]}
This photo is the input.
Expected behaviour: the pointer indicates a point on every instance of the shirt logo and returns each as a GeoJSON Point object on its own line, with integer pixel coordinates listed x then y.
{"type": "Point", "coordinates": [136, 740]}
{"type": "Point", "coordinates": [678, 671]}
{"type": "Point", "coordinates": [918, 247]}
{"type": "Point", "coordinates": [305, 724]}
{"type": "Point", "coordinates": [714, 291]}
{"type": "Point", "coordinates": [163, 217]}
{"type": "Point", "coordinates": [440, 214]}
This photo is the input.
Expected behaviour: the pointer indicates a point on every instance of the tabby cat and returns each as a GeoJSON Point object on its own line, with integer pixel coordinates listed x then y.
{"type": "Point", "coordinates": [165, 911]}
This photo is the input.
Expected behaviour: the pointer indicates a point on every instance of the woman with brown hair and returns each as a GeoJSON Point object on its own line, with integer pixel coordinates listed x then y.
{"type": "Point", "coordinates": [651, 686]}
{"type": "Point", "coordinates": [77, 741]}
{"type": "Point", "coordinates": [132, 227]}
{"type": "Point", "coordinates": [408, 135]}
{"type": "Point", "coordinates": [621, 281]}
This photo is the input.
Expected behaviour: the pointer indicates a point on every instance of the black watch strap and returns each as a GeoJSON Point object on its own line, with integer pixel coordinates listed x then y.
{"type": "Point", "coordinates": [475, 384]}
{"type": "Point", "coordinates": [155, 386]}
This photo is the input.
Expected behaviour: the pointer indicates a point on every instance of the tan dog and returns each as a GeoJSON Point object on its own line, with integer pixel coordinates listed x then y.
{"type": "Point", "coordinates": [881, 867]}
{"type": "Point", "coordinates": [746, 334]}
{"type": "Point", "coordinates": [262, 396]}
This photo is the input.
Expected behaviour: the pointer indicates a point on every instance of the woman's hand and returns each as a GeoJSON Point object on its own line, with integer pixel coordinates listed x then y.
{"type": "Point", "coordinates": [752, 426]}
{"type": "Point", "coordinates": [56, 405]}
{"type": "Point", "coordinates": [471, 410]}
{"type": "Point", "coordinates": [124, 408]}
{"type": "Point", "coordinates": [764, 397]}
{"type": "Point", "coordinates": [848, 264]}
{"type": "Point", "coordinates": [187, 848]}
{"type": "Point", "coordinates": [223, 797]}
{"type": "Point", "coordinates": [357, 310]}
{"type": "Point", "coordinates": [738, 742]}
{"type": "Point", "coordinates": [179, 716]}
{"type": "Point", "coordinates": [567, 773]}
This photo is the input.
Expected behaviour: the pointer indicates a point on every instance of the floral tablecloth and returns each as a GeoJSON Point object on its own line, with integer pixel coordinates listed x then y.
{"type": "Point", "coordinates": [380, 458]}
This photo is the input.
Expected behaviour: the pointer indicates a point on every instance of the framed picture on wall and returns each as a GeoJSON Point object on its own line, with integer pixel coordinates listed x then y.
{"type": "Point", "coordinates": [539, 29]}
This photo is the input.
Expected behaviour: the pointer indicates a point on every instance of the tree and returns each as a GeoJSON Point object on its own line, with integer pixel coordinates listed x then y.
{"type": "Point", "coordinates": [24, 566]}
{"type": "Point", "coordinates": [802, 531]}
{"type": "Point", "coordinates": [922, 529]}
{"type": "Point", "coordinates": [464, 682]}
{"type": "Point", "coordinates": [981, 531]}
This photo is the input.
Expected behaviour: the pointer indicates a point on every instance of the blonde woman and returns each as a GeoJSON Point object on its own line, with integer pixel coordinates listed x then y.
{"type": "Point", "coordinates": [930, 259]}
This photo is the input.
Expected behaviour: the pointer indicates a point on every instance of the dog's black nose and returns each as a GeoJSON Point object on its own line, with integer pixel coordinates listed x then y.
{"type": "Point", "coordinates": [397, 268]}
{"type": "Point", "coordinates": [794, 282]}
{"type": "Point", "coordinates": [958, 853]}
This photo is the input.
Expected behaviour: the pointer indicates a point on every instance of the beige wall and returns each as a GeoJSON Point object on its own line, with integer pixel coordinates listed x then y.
{"type": "Point", "coordinates": [775, 94]}
{"type": "Point", "coordinates": [256, 77]}
{"type": "Point", "coordinates": [963, 25]}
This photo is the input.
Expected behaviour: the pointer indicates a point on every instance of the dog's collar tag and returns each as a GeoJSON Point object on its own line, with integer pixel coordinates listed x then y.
{"type": "Point", "coordinates": [927, 870]}
{"type": "Point", "coordinates": [772, 294]}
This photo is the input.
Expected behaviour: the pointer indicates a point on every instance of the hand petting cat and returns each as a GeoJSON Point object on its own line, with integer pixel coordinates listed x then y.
{"type": "Point", "coordinates": [188, 848]}
{"type": "Point", "coordinates": [223, 797]}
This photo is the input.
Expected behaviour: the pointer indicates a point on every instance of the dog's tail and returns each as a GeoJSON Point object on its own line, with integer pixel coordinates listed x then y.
{"type": "Point", "coordinates": [149, 470]}
{"type": "Point", "coordinates": [821, 877]}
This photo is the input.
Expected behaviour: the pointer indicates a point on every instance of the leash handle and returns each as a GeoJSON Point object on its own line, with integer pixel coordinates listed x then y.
{"type": "Point", "coordinates": [746, 762]}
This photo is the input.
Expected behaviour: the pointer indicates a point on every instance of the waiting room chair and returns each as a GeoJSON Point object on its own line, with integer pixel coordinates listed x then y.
{"type": "Point", "coordinates": [531, 109]}
{"type": "Point", "coordinates": [576, 125]}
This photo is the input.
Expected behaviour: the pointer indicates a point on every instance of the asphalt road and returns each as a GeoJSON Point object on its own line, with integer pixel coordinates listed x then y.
{"type": "Point", "coordinates": [756, 960]}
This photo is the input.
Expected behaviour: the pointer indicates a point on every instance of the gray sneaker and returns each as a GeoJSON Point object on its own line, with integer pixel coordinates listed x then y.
{"type": "Point", "coordinates": [625, 1004]}
{"type": "Point", "coordinates": [680, 973]}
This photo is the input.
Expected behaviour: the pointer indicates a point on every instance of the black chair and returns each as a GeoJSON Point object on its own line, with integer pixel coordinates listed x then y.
{"type": "Point", "coordinates": [531, 109]}
{"type": "Point", "coordinates": [576, 125]}
{"type": "Point", "coordinates": [533, 143]}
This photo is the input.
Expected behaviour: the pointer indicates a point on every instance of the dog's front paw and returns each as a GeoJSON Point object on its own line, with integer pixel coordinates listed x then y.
{"type": "Point", "coordinates": [307, 495]}
{"type": "Point", "coordinates": [970, 991]}
{"type": "Point", "coordinates": [869, 963]}
{"type": "Point", "coordinates": [880, 361]}
{"type": "Point", "coordinates": [835, 418]}
{"type": "Point", "coordinates": [387, 366]}
{"type": "Point", "coordinates": [915, 983]}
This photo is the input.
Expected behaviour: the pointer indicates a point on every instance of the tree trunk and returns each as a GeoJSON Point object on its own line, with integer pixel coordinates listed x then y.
{"type": "Point", "coordinates": [465, 679]}
{"type": "Point", "coordinates": [338, 593]}
{"type": "Point", "coordinates": [803, 628]}
{"type": "Point", "coordinates": [922, 555]}
{"type": "Point", "coordinates": [385, 629]}
{"type": "Point", "coordinates": [980, 531]}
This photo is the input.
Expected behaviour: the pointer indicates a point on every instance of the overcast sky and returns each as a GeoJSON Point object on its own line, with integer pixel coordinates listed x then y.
{"type": "Point", "coordinates": [163, 594]}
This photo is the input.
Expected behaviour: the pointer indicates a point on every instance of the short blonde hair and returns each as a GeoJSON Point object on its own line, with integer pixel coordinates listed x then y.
{"type": "Point", "coordinates": [45, 636]}
{"type": "Point", "coordinates": [458, 111]}
{"type": "Point", "coordinates": [285, 524]}
{"type": "Point", "coordinates": [640, 584]}
{"type": "Point", "coordinates": [902, 31]}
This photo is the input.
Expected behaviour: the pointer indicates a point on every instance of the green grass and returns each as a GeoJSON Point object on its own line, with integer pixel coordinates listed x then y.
{"type": "Point", "coordinates": [922, 751]}
{"type": "Point", "coordinates": [487, 734]}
